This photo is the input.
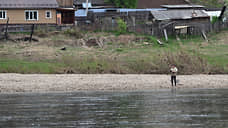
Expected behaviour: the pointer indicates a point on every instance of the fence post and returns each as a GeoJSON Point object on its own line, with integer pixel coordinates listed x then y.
{"type": "Point", "coordinates": [30, 39]}
{"type": "Point", "coordinates": [6, 29]}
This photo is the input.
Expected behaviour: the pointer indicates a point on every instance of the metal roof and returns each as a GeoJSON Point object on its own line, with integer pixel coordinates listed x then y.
{"type": "Point", "coordinates": [178, 14]}
{"type": "Point", "coordinates": [12, 4]}
{"type": "Point", "coordinates": [182, 6]}
{"type": "Point", "coordinates": [82, 12]}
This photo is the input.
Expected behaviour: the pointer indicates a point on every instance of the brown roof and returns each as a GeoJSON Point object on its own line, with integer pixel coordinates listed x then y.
{"type": "Point", "coordinates": [8, 4]}
{"type": "Point", "coordinates": [158, 3]}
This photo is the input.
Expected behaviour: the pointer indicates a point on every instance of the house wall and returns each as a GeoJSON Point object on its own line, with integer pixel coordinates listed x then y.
{"type": "Point", "coordinates": [18, 17]}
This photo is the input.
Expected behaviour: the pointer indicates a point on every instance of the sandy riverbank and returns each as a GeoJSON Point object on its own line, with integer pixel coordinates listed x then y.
{"type": "Point", "coordinates": [10, 83]}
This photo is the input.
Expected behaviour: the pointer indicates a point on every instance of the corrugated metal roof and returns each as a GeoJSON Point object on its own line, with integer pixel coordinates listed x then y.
{"type": "Point", "coordinates": [82, 12]}
{"type": "Point", "coordinates": [178, 14]}
{"type": "Point", "coordinates": [10, 4]}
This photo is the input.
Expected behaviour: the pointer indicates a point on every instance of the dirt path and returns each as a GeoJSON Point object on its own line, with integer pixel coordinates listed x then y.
{"type": "Point", "coordinates": [10, 83]}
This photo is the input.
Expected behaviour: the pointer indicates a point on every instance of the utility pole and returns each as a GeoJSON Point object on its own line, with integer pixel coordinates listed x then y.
{"type": "Point", "coordinates": [87, 6]}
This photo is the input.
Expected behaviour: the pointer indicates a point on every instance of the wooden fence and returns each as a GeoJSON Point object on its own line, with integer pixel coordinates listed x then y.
{"type": "Point", "coordinates": [149, 29]}
{"type": "Point", "coordinates": [194, 28]}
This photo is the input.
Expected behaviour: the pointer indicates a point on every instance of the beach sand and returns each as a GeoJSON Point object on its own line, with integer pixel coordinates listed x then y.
{"type": "Point", "coordinates": [11, 83]}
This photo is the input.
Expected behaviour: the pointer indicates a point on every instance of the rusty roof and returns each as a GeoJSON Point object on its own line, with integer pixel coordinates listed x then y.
{"type": "Point", "coordinates": [26, 4]}
{"type": "Point", "coordinates": [178, 14]}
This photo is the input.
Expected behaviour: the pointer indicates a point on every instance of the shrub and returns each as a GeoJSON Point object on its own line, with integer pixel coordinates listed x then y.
{"type": "Point", "coordinates": [214, 19]}
{"type": "Point", "coordinates": [122, 26]}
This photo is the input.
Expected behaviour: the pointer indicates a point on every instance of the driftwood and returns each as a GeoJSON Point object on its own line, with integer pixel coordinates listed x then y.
{"type": "Point", "coordinates": [165, 33]}
{"type": "Point", "coordinates": [159, 42]}
{"type": "Point", "coordinates": [204, 35]}
{"type": "Point", "coordinates": [95, 42]}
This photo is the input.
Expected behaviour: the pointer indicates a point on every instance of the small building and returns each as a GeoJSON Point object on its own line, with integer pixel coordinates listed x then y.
{"type": "Point", "coordinates": [36, 11]}
{"type": "Point", "coordinates": [187, 21]}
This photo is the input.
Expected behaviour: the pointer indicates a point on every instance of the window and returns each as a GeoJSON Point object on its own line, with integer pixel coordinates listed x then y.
{"type": "Point", "coordinates": [31, 15]}
{"type": "Point", "coordinates": [2, 14]}
{"type": "Point", "coordinates": [48, 14]}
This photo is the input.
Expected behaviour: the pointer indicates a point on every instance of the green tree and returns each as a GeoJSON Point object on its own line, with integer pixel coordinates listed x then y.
{"type": "Point", "coordinates": [124, 3]}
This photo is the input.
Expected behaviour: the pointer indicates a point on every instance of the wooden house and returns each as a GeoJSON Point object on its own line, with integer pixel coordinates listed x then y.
{"type": "Point", "coordinates": [28, 11]}
{"type": "Point", "coordinates": [36, 11]}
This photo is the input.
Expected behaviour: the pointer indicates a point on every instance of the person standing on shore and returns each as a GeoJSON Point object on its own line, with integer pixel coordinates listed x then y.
{"type": "Point", "coordinates": [173, 71]}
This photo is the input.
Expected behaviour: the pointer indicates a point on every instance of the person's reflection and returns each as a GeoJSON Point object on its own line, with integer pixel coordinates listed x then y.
{"type": "Point", "coordinates": [174, 92]}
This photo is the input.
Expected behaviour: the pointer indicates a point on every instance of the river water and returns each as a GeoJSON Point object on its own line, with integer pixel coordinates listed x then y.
{"type": "Point", "coordinates": [203, 108]}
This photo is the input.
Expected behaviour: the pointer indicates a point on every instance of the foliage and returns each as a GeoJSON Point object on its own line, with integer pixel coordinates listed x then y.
{"type": "Point", "coordinates": [124, 3]}
{"type": "Point", "coordinates": [122, 26]}
{"type": "Point", "coordinates": [214, 19]}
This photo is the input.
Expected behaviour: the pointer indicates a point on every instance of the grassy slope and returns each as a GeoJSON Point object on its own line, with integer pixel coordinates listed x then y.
{"type": "Point", "coordinates": [192, 55]}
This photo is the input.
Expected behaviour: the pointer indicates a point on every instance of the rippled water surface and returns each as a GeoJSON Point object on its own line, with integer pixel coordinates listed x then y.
{"type": "Point", "coordinates": [150, 109]}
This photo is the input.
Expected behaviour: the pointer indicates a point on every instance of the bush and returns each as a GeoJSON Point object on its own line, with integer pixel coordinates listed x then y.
{"type": "Point", "coordinates": [214, 19]}
{"type": "Point", "coordinates": [122, 26]}
{"type": "Point", "coordinates": [186, 62]}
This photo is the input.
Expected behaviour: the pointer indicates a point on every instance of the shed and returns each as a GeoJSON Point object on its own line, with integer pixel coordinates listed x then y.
{"type": "Point", "coordinates": [179, 14]}
{"type": "Point", "coordinates": [184, 21]}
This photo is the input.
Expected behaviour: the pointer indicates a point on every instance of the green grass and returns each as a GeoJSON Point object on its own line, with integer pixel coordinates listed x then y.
{"type": "Point", "coordinates": [20, 66]}
{"type": "Point", "coordinates": [191, 54]}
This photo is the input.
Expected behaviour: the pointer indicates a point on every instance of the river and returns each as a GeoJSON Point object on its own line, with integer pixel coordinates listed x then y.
{"type": "Point", "coordinates": [174, 108]}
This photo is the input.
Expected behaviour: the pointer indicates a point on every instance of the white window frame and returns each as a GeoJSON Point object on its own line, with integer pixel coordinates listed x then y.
{"type": "Point", "coordinates": [3, 18]}
{"type": "Point", "coordinates": [32, 11]}
{"type": "Point", "coordinates": [46, 14]}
